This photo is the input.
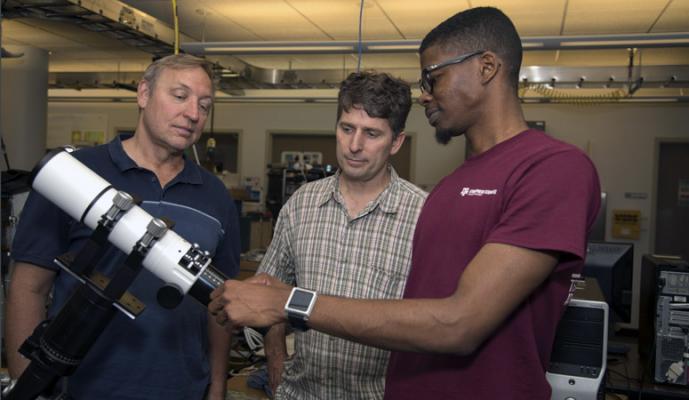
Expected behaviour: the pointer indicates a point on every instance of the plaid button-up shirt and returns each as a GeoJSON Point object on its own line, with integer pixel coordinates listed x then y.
{"type": "Point", "coordinates": [317, 246]}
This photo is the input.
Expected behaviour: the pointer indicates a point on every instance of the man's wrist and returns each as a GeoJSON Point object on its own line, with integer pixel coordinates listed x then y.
{"type": "Point", "coordinates": [299, 306]}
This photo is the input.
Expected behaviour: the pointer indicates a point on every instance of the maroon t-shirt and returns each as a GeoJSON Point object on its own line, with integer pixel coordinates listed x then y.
{"type": "Point", "coordinates": [530, 191]}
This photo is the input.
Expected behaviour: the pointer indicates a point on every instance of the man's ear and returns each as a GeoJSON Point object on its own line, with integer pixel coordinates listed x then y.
{"type": "Point", "coordinates": [143, 93]}
{"type": "Point", "coordinates": [490, 65]}
{"type": "Point", "coordinates": [397, 143]}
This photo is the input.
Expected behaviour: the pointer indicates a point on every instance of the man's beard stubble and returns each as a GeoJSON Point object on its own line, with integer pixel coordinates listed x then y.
{"type": "Point", "coordinates": [443, 136]}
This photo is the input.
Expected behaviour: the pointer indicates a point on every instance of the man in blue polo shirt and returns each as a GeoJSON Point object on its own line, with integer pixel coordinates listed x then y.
{"type": "Point", "coordinates": [163, 354]}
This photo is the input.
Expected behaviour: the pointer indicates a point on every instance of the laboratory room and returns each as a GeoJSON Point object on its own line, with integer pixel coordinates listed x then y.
{"type": "Point", "coordinates": [344, 199]}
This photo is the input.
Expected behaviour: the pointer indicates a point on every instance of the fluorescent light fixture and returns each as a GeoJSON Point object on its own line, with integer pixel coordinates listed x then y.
{"type": "Point", "coordinates": [530, 45]}
{"type": "Point", "coordinates": [278, 49]}
{"type": "Point", "coordinates": [393, 47]}
{"type": "Point", "coordinates": [606, 41]}
{"type": "Point", "coordinates": [283, 47]}
{"type": "Point", "coordinates": [630, 42]}
{"type": "Point", "coordinates": [649, 99]}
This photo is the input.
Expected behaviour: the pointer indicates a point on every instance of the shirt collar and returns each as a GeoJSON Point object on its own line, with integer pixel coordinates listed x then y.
{"type": "Point", "coordinates": [388, 200]}
{"type": "Point", "coordinates": [190, 174]}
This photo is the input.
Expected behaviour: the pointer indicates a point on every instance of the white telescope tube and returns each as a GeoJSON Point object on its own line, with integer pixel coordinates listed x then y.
{"type": "Point", "coordinates": [86, 197]}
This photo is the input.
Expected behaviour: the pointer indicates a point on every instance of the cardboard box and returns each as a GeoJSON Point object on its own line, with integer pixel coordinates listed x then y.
{"type": "Point", "coordinates": [247, 269]}
{"type": "Point", "coordinates": [261, 233]}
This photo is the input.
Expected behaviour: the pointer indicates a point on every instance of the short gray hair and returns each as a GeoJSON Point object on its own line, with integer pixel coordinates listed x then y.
{"type": "Point", "coordinates": [178, 61]}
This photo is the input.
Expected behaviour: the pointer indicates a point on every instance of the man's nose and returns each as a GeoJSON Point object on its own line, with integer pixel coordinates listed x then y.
{"type": "Point", "coordinates": [191, 111]}
{"type": "Point", "coordinates": [357, 142]}
{"type": "Point", "coordinates": [424, 99]}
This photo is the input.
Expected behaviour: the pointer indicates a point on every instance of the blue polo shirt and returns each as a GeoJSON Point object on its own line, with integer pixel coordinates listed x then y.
{"type": "Point", "coordinates": [163, 353]}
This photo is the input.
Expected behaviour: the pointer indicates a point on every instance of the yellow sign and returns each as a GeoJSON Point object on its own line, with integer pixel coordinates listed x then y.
{"type": "Point", "coordinates": [626, 224]}
{"type": "Point", "coordinates": [87, 138]}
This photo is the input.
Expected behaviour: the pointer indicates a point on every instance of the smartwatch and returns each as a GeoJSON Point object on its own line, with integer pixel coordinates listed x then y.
{"type": "Point", "coordinates": [299, 307]}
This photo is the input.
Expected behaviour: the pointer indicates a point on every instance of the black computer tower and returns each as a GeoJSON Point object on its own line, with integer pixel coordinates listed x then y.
{"type": "Point", "coordinates": [664, 317]}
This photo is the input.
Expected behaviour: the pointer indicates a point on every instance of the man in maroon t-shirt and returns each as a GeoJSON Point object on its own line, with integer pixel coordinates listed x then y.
{"type": "Point", "coordinates": [494, 248]}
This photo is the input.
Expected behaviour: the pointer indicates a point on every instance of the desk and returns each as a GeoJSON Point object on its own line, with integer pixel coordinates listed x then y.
{"type": "Point", "coordinates": [625, 373]}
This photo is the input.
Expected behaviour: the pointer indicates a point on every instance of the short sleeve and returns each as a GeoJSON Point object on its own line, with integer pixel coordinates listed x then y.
{"type": "Point", "coordinates": [278, 260]}
{"type": "Point", "coordinates": [42, 233]}
{"type": "Point", "coordinates": [550, 205]}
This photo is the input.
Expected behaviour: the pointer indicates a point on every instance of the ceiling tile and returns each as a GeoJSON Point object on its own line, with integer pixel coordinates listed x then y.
{"type": "Point", "coordinates": [340, 19]}
{"type": "Point", "coordinates": [674, 19]}
{"type": "Point", "coordinates": [206, 20]}
{"type": "Point", "coordinates": [590, 17]}
{"type": "Point", "coordinates": [217, 28]}
{"type": "Point", "coordinates": [268, 19]}
{"type": "Point", "coordinates": [531, 17]}
{"type": "Point", "coordinates": [201, 20]}
{"type": "Point", "coordinates": [415, 18]}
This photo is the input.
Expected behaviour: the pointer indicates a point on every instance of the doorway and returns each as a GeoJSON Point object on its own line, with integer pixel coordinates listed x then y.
{"type": "Point", "coordinates": [672, 199]}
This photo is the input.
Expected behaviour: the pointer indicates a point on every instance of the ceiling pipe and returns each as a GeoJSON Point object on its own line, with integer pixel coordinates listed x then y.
{"type": "Point", "coordinates": [651, 40]}
{"type": "Point", "coordinates": [333, 99]}
{"type": "Point", "coordinates": [669, 76]}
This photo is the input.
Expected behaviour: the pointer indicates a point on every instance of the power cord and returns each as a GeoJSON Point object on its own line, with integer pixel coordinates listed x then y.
{"type": "Point", "coordinates": [360, 44]}
{"type": "Point", "coordinates": [254, 339]}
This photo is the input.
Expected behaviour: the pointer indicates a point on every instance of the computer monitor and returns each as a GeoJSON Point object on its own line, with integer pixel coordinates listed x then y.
{"type": "Point", "coordinates": [612, 264]}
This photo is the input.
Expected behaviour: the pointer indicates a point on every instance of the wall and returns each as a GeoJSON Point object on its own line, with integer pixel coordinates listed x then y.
{"type": "Point", "coordinates": [620, 139]}
{"type": "Point", "coordinates": [255, 122]}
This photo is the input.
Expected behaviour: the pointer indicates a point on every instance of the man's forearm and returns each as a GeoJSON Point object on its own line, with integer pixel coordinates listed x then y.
{"type": "Point", "coordinates": [430, 325]}
{"type": "Point", "coordinates": [26, 308]}
{"type": "Point", "coordinates": [276, 353]}
{"type": "Point", "coordinates": [496, 282]}
{"type": "Point", "coordinates": [23, 315]}
{"type": "Point", "coordinates": [419, 325]}
{"type": "Point", "coordinates": [274, 342]}
{"type": "Point", "coordinates": [220, 343]}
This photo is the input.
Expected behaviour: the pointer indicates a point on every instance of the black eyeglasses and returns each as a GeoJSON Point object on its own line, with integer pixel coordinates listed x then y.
{"type": "Point", "coordinates": [426, 81]}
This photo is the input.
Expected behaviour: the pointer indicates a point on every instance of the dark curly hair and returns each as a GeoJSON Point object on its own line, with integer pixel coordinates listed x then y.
{"type": "Point", "coordinates": [379, 94]}
{"type": "Point", "coordinates": [480, 28]}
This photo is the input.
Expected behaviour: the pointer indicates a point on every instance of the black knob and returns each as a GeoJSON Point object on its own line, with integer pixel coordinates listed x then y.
{"type": "Point", "coordinates": [169, 296]}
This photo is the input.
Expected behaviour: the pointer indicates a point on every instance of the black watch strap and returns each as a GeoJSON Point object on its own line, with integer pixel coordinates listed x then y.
{"type": "Point", "coordinates": [297, 322]}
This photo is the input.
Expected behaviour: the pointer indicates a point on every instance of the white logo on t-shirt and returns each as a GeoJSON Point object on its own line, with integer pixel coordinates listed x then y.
{"type": "Point", "coordinates": [478, 192]}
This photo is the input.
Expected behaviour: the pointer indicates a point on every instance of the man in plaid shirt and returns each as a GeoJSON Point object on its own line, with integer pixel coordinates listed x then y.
{"type": "Point", "coordinates": [347, 235]}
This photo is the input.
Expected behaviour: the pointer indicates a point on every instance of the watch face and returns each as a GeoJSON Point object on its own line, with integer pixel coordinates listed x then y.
{"type": "Point", "coordinates": [300, 300]}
